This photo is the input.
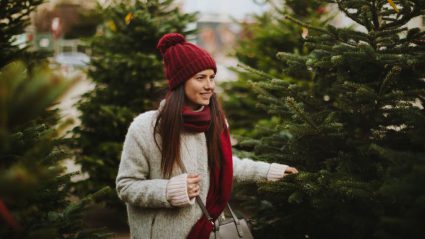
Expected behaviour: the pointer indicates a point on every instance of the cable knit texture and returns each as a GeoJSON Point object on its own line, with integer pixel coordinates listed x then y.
{"type": "Point", "coordinates": [182, 59]}
{"type": "Point", "coordinates": [177, 191]}
{"type": "Point", "coordinates": [276, 171]}
{"type": "Point", "coordinates": [157, 207]}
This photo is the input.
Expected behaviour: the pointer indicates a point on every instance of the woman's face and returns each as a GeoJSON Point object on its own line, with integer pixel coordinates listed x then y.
{"type": "Point", "coordinates": [199, 89]}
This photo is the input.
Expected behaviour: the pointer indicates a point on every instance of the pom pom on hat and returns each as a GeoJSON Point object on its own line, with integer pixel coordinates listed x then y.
{"type": "Point", "coordinates": [182, 59]}
{"type": "Point", "coordinates": [169, 40]}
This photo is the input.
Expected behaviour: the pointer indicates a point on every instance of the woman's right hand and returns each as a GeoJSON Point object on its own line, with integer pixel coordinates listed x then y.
{"type": "Point", "coordinates": [193, 187]}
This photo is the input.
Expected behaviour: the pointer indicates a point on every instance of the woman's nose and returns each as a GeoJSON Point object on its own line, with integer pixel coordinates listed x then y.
{"type": "Point", "coordinates": [209, 84]}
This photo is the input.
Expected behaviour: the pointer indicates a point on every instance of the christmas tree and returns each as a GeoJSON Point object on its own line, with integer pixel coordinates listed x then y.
{"type": "Point", "coordinates": [34, 187]}
{"type": "Point", "coordinates": [14, 17]}
{"type": "Point", "coordinates": [35, 200]}
{"type": "Point", "coordinates": [127, 70]}
{"type": "Point", "coordinates": [259, 42]}
{"type": "Point", "coordinates": [355, 129]}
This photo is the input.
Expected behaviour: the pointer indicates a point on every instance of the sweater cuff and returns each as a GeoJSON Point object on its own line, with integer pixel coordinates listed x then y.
{"type": "Point", "coordinates": [177, 191]}
{"type": "Point", "coordinates": [276, 171]}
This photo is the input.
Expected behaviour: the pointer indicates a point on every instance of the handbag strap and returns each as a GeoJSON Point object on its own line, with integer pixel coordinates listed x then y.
{"type": "Point", "coordinates": [208, 216]}
{"type": "Point", "coordinates": [199, 200]}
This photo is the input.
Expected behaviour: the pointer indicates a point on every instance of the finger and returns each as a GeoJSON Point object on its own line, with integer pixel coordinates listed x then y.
{"type": "Point", "coordinates": [294, 170]}
{"type": "Point", "coordinates": [193, 194]}
{"type": "Point", "coordinates": [189, 191]}
{"type": "Point", "coordinates": [291, 170]}
{"type": "Point", "coordinates": [193, 187]}
{"type": "Point", "coordinates": [196, 179]}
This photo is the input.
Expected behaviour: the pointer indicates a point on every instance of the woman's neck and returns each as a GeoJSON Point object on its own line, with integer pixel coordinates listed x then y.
{"type": "Point", "coordinates": [198, 109]}
{"type": "Point", "coordinates": [195, 108]}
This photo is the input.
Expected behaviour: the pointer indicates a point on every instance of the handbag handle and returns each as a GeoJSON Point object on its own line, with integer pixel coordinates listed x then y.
{"type": "Point", "coordinates": [204, 209]}
{"type": "Point", "coordinates": [199, 200]}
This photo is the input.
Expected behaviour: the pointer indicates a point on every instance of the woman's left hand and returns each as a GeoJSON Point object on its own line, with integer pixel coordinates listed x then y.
{"type": "Point", "coordinates": [290, 170]}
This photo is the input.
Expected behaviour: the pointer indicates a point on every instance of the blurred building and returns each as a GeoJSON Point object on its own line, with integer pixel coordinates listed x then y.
{"type": "Point", "coordinates": [218, 28]}
{"type": "Point", "coordinates": [57, 25]}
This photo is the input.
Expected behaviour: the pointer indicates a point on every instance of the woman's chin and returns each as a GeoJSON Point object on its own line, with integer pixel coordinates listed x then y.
{"type": "Point", "coordinates": [205, 103]}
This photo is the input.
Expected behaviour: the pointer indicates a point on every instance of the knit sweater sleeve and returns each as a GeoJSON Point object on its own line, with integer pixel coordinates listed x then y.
{"type": "Point", "coordinates": [133, 183]}
{"type": "Point", "coordinates": [249, 170]}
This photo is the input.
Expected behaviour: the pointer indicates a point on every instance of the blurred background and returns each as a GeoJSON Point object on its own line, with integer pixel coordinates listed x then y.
{"type": "Point", "coordinates": [58, 27]}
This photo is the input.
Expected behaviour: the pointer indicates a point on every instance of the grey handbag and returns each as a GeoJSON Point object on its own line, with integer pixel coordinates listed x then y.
{"type": "Point", "coordinates": [232, 227]}
{"type": "Point", "coordinates": [225, 228]}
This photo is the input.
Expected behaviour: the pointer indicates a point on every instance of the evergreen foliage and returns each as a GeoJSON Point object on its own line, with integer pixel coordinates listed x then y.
{"type": "Point", "coordinates": [34, 188]}
{"type": "Point", "coordinates": [127, 70]}
{"type": "Point", "coordinates": [261, 39]}
{"type": "Point", "coordinates": [14, 17]}
{"type": "Point", "coordinates": [355, 130]}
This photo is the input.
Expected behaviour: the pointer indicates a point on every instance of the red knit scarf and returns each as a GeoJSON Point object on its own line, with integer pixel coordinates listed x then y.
{"type": "Point", "coordinates": [220, 180]}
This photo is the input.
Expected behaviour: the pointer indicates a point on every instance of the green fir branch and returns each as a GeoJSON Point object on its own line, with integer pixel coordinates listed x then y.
{"type": "Point", "coordinates": [254, 71]}
{"type": "Point", "coordinates": [344, 9]}
{"type": "Point", "coordinates": [292, 104]}
{"type": "Point", "coordinates": [406, 16]}
{"type": "Point", "coordinates": [392, 74]}
{"type": "Point", "coordinates": [306, 25]}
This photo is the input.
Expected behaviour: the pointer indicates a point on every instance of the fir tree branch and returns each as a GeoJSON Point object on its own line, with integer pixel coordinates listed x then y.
{"type": "Point", "coordinates": [344, 9]}
{"type": "Point", "coordinates": [288, 57]}
{"type": "Point", "coordinates": [404, 50]}
{"type": "Point", "coordinates": [395, 70]}
{"type": "Point", "coordinates": [303, 24]}
{"type": "Point", "coordinates": [406, 17]}
{"type": "Point", "coordinates": [391, 31]}
{"type": "Point", "coordinates": [254, 71]}
{"type": "Point", "coordinates": [290, 101]}
{"type": "Point", "coordinates": [374, 12]}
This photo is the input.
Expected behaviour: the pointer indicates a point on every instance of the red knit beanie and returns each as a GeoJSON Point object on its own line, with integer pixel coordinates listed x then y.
{"type": "Point", "coordinates": [182, 59]}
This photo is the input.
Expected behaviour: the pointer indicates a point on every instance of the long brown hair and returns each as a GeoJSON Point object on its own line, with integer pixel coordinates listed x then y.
{"type": "Point", "coordinates": [169, 126]}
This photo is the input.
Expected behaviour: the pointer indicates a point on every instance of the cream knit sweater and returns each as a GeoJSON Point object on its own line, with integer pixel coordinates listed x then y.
{"type": "Point", "coordinates": [157, 207]}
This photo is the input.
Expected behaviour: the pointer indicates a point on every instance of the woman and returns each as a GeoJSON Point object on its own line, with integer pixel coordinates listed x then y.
{"type": "Point", "coordinates": [187, 131]}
